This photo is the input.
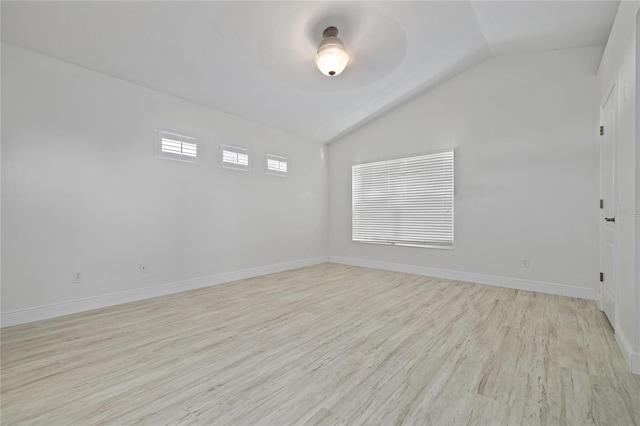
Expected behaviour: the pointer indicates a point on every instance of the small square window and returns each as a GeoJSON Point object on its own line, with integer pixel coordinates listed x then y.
{"type": "Point", "coordinates": [233, 157]}
{"type": "Point", "coordinates": [275, 165]}
{"type": "Point", "coordinates": [177, 147]}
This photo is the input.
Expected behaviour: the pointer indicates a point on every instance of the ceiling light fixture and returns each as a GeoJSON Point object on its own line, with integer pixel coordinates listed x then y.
{"type": "Point", "coordinates": [332, 56]}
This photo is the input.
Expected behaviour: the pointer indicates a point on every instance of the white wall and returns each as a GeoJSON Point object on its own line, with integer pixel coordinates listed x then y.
{"type": "Point", "coordinates": [527, 171]}
{"type": "Point", "coordinates": [83, 191]}
{"type": "Point", "coordinates": [637, 177]}
{"type": "Point", "coordinates": [618, 67]}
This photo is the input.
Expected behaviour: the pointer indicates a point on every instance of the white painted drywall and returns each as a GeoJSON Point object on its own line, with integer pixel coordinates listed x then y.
{"type": "Point", "coordinates": [527, 168]}
{"type": "Point", "coordinates": [618, 66]}
{"type": "Point", "coordinates": [1, 172]}
{"type": "Point", "coordinates": [637, 260]}
{"type": "Point", "coordinates": [83, 191]}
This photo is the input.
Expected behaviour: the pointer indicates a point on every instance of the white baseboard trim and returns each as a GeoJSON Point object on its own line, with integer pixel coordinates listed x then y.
{"type": "Point", "coordinates": [632, 358]}
{"type": "Point", "coordinates": [493, 280]}
{"type": "Point", "coordinates": [598, 296]}
{"type": "Point", "coordinates": [37, 313]}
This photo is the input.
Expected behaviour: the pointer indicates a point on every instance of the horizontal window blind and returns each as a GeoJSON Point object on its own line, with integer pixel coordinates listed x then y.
{"type": "Point", "coordinates": [276, 165]}
{"type": "Point", "coordinates": [176, 147]}
{"type": "Point", "coordinates": [234, 157]}
{"type": "Point", "coordinates": [406, 201]}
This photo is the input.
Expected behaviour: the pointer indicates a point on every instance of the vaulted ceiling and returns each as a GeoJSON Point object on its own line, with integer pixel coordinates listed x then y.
{"type": "Point", "coordinates": [255, 59]}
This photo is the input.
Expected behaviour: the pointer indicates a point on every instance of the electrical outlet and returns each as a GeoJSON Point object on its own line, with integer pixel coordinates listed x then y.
{"type": "Point", "coordinates": [143, 268]}
{"type": "Point", "coordinates": [77, 277]}
{"type": "Point", "coordinates": [525, 262]}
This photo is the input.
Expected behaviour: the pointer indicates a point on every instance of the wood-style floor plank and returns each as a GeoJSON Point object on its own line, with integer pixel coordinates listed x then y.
{"type": "Point", "coordinates": [327, 344]}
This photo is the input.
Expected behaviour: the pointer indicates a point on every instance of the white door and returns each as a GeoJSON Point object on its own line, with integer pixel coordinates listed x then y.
{"type": "Point", "coordinates": [609, 195]}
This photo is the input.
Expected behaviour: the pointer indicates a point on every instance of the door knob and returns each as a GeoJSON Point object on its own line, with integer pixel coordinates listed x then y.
{"type": "Point", "coordinates": [610, 219]}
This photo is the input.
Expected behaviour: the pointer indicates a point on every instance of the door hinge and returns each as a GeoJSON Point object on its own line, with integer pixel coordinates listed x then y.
{"type": "Point", "coordinates": [602, 204]}
{"type": "Point", "coordinates": [601, 277]}
{"type": "Point", "coordinates": [601, 130]}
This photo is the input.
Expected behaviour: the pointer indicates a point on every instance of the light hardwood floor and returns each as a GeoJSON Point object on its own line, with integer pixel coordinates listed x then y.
{"type": "Point", "coordinates": [327, 344]}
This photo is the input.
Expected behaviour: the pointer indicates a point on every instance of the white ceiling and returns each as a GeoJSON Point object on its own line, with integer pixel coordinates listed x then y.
{"type": "Point", "coordinates": [255, 59]}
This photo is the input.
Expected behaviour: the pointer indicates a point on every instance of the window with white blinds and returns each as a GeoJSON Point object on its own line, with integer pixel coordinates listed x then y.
{"type": "Point", "coordinates": [177, 147]}
{"type": "Point", "coordinates": [275, 165]}
{"type": "Point", "coordinates": [405, 201]}
{"type": "Point", "coordinates": [233, 157]}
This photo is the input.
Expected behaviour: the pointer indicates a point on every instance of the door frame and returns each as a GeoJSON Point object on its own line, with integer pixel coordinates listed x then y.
{"type": "Point", "coordinates": [611, 89]}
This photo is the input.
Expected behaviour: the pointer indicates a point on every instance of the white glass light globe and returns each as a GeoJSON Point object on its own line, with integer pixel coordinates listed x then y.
{"type": "Point", "coordinates": [332, 57]}
{"type": "Point", "coordinates": [332, 60]}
